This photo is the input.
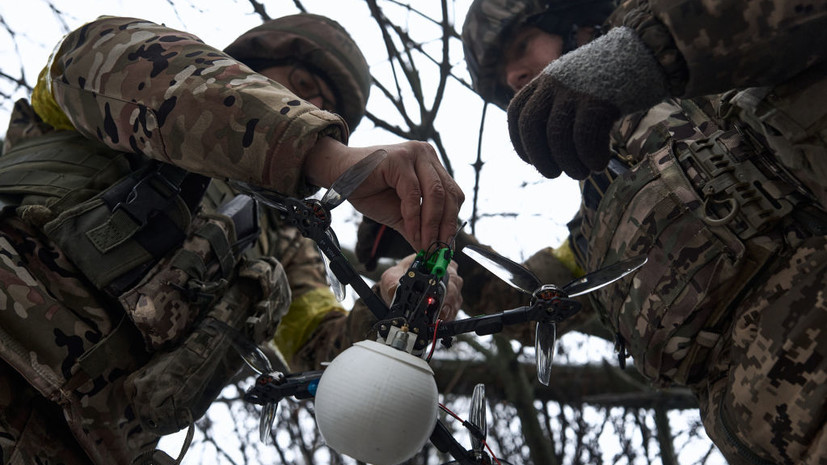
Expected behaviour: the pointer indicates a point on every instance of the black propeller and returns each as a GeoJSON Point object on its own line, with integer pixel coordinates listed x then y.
{"type": "Point", "coordinates": [524, 280]}
{"type": "Point", "coordinates": [345, 184]}
{"type": "Point", "coordinates": [338, 192]}
{"type": "Point", "coordinates": [254, 357]}
{"type": "Point", "coordinates": [479, 418]}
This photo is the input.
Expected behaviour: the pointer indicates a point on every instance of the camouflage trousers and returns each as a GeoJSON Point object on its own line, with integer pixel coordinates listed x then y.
{"type": "Point", "coordinates": [765, 399]}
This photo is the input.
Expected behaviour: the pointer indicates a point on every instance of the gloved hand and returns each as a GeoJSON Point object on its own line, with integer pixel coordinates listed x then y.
{"type": "Point", "coordinates": [561, 120]}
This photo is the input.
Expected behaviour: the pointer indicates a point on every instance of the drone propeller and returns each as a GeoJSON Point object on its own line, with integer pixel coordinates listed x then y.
{"type": "Point", "coordinates": [259, 363]}
{"type": "Point", "coordinates": [545, 342]}
{"type": "Point", "coordinates": [348, 181]}
{"type": "Point", "coordinates": [339, 191]}
{"type": "Point", "coordinates": [339, 289]}
{"type": "Point", "coordinates": [521, 278]}
{"type": "Point", "coordinates": [512, 273]}
{"type": "Point", "coordinates": [479, 418]}
{"type": "Point", "coordinates": [604, 276]}
{"type": "Point", "coordinates": [255, 358]}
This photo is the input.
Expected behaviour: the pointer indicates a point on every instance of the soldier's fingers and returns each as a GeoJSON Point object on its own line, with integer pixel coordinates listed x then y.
{"type": "Point", "coordinates": [453, 294]}
{"type": "Point", "coordinates": [560, 135]}
{"type": "Point", "coordinates": [406, 184]}
{"type": "Point", "coordinates": [454, 198]}
{"type": "Point", "coordinates": [592, 127]}
{"type": "Point", "coordinates": [533, 128]}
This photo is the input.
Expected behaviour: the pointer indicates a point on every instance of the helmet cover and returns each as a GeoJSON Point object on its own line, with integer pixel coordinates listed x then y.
{"type": "Point", "coordinates": [321, 44]}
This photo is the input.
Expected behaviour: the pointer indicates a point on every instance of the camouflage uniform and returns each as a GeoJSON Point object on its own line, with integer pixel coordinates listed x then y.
{"type": "Point", "coordinates": [130, 84]}
{"type": "Point", "coordinates": [726, 195]}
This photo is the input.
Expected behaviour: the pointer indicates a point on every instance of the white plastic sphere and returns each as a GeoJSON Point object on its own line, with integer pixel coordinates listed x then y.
{"type": "Point", "coordinates": [376, 404]}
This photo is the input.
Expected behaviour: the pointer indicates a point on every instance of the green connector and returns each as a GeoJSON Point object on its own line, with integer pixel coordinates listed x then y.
{"type": "Point", "coordinates": [439, 261]}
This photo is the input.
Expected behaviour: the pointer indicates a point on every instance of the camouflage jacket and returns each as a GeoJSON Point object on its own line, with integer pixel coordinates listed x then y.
{"type": "Point", "coordinates": [711, 47]}
{"type": "Point", "coordinates": [145, 88]}
{"type": "Point", "coordinates": [674, 190]}
{"type": "Point", "coordinates": [134, 88]}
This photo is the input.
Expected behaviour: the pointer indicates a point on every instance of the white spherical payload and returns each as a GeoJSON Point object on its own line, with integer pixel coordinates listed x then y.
{"type": "Point", "coordinates": [377, 404]}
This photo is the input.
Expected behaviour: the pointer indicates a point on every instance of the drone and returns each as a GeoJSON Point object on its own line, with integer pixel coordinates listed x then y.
{"type": "Point", "coordinates": [406, 328]}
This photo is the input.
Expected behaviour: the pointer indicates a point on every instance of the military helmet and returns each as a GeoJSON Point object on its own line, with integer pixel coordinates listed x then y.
{"type": "Point", "coordinates": [319, 43]}
{"type": "Point", "coordinates": [490, 24]}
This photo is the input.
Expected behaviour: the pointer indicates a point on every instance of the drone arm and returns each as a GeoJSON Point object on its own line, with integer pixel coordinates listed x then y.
{"type": "Point", "coordinates": [269, 388]}
{"type": "Point", "coordinates": [302, 215]}
{"type": "Point", "coordinates": [348, 275]}
{"type": "Point", "coordinates": [546, 311]}
{"type": "Point", "coordinates": [487, 324]}
{"type": "Point", "coordinates": [444, 441]}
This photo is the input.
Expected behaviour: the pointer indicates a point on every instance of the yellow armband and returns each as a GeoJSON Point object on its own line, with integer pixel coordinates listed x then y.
{"type": "Point", "coordinates": [566, 257]}
{"type": "Point", "coordinates": [305, 314]}
{"type": "Point", "coordinates": [44, 103]}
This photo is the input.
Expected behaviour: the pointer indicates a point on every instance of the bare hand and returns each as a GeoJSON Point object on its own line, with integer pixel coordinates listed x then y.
{"type": "Point", "coordinates": [453, 291]}
{"type": "Point", "coordinates": [410, 191]}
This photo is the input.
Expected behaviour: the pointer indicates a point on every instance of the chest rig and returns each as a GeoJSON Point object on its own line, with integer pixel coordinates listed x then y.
{"type": "Point", "coordinates": [709, 203]}
{"type": "Point", "coordinates": [114, 214]}
{"type": "Point", "coordinates": [742, 183]}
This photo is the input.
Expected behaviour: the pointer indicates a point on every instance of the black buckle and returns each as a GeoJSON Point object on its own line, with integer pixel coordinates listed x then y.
{"type": "Point", "coordinates": [150, 195]}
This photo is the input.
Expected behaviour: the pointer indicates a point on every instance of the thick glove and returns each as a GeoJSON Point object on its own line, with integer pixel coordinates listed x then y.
{"type": "Point", "coordinates": [561, 120]}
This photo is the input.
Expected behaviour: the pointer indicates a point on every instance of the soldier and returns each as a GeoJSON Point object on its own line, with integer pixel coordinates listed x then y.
{"type": "Point", "coordinates": [124, 252]}
{"type": "Point", "coordinates": [697, 129]}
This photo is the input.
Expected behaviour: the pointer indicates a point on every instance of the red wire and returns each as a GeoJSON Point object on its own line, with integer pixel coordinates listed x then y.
{"type": "Point", "coordinates": [433, 341]}
{"type": "Point", "coordinates": [484, 442]}
{"type": "Point", "coordinates": [377, 240]}
{"type": "Point", "coordinates": [449, 412]}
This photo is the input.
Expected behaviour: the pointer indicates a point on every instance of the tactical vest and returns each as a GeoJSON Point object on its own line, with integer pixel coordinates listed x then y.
{"type": "Point", "coordinates": [147, 237]}
{"type": "Point", "coordinates": [97, 203]}
{"type": "Point", "coordinates": [712, 205]}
